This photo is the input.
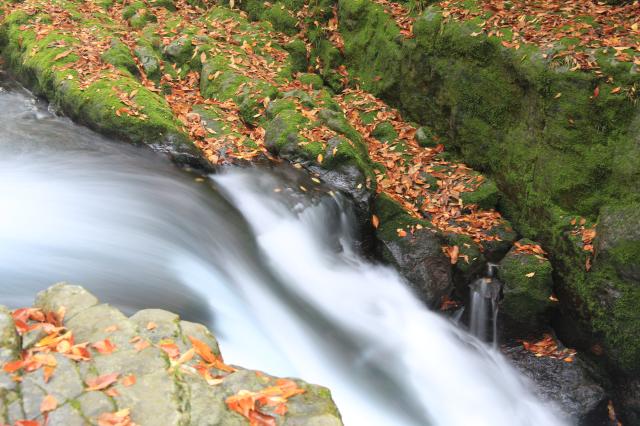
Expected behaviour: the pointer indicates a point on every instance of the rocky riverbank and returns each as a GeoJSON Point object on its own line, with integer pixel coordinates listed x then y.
{"type": "Point", "coordinates": [71, 360]}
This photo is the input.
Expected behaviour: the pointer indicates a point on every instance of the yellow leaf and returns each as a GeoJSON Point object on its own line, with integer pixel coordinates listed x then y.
{"type": "Point", "coordinates": [530, 274]}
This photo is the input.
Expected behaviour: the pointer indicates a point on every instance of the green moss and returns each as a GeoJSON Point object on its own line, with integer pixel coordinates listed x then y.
{"type": "Point", "coordinates": [34, 61]}
{"type": "Point", "coordinates": [282, 131]}
{"type": "Point", "coordinates": [530, 123]}
{"type": "Point", "coordinates": [297, 55]}
{"type": "Point", "coordinates": [392, 217]}
{"type": "Point", "coordinates": [527, 286]}
{"type": "Point", "coordinates": [486, 196]}
{"type": "Point", "coordinates": [385, 132]}
{"type": "Point", "coordinates": [180, 51]}
{"type": "Point", "coordinates": [119, 56]}
{"type": "Point", "coordinates": [278, 105]}
{"type": "Point", "coordinates": [313, 80]}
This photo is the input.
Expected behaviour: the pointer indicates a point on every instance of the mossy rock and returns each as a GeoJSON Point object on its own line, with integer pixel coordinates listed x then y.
{"type": "Point", "coordinates": [119, 56]}
{"type": "Point", "coordinates": [149, 60]}
{"type": "Point", "coordinates": [385, 132]}
{"type": "Point", "coordinates": [313, 80]}
{"type": "Point", "coordinates": [425, 137]}
{"type": "Point", "coordinates": [527, 284]}
{"type": "Point", "coordinates": [297, 55]}
{"type": "Point", "coordinates": [485, 196]}
{"type": "Point", "coordinates": [618, 240]}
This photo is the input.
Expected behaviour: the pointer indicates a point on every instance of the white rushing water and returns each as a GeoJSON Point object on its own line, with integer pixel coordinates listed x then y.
{"type": "Point", "coordinates": [271, 269]}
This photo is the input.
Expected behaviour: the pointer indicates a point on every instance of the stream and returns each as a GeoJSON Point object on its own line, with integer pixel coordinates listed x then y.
{"type": "Point", "coordinates": [264, 256]}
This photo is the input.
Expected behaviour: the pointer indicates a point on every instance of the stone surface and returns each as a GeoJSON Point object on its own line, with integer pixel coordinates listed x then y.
{"type": "Point", "coordinates": [420, 260]}
{"type": "Point", "coordinates": [570, 386]}
{"type": "Point", "coordinates": [164, 392]}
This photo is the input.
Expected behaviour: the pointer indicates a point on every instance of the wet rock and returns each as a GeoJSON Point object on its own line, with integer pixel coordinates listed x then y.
{"type": "Point", "coordinates": [495, 250]}
{"type": "Point", "coordinates": [420, 260]}
{"type": "Point", "coordinates": [164, 392]}
{"type": "Point", "coordinates": [471, 263]}
{"type": "Point", "coordinates": [627, 392]}
{"type": "Point", "coordinates": [527, 285]}
{"type": "Point", "coordinates": [348, 179]}
{"type": "Point", "coordinates": [571, 386]}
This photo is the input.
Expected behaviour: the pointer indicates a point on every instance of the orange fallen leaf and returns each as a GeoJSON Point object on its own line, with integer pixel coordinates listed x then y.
{"type": "Point", "coordinates": [119, 418]}
{"type": "Point", "coordinates": [129, 380]}
{"type": "Point", "coordinates": [141, 345]}
{"type": "Point", "coordinates": [151, 325]}
{"type": "Point", "coordinates": [102, 382]}
{"type": "Point", "coordinates": [13, 366]}
{"type": "Point", "coordinates": [170, 348]}
{"type": "Point", "coordinates": [104, 346]}
{"type": "Point", "coordinates": [375, 221]}
{"type": "Point", "coordinates": [62, 55]}
{"type": "Point", "coordinates": [49, 403]}
{"type": "Point", "coordinates": [203, 350]}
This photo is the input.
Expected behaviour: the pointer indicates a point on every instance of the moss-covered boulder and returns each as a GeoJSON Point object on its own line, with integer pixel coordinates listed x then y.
{"type": "Point", "coordinates": [151, 368]}
{"type": "Point", "coordinates": [527, 286]}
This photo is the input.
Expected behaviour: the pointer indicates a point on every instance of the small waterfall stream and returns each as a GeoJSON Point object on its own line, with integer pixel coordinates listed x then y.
{"type": "Point", "coordinates": [484, 297]}
{"type": "Point", "coordinates": [272, 269]}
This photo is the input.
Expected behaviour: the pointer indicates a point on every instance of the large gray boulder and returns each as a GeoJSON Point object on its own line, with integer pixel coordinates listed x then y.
{"type": "Point", "coordinates": [570, 386]}
{"type": "Point", "coordinates": [158, 369]}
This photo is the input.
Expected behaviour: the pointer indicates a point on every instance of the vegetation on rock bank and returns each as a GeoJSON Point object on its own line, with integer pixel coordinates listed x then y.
{"type": "Point", "coordinates": [541, 98]}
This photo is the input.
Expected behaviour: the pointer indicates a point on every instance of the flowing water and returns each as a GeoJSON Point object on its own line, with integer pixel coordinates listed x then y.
{"type": "Point", "coordinates": [484, 298]}
{"type": "Point", "coordinates": [271, 268]}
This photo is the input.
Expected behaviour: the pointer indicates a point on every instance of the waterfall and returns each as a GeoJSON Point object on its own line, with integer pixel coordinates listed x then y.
{"type": "Point", "coordinates": [272, 268]}
{"type": "Point", "coordinates": [484, 298]}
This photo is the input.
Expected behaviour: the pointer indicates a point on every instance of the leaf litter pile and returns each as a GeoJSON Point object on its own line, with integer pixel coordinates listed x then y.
{"type": "Point", "coordinates": [428, 187]}
{"type": "Point", "coordinates": [574, 30]}
{"type": "Point", "coordinates": [56, 339]}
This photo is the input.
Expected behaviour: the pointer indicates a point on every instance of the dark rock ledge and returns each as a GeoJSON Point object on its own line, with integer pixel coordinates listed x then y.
{"type": "Point", "coordinates": [168, 388]}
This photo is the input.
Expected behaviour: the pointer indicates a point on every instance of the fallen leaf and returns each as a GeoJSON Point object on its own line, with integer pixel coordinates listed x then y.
{"type": "Point", "coordinates": [530, 274]}
{"type": "Point", "coordinates": [375, 221]}
{"type": "Point", "coordinates": [49, 403]}
{"type": "Point", "coordinates": [104, 346]}
{"type": "Point", "coordinates": [151, 325]}
{"type": "Point", "coordinates": [141, 345]}
{"type": "Point", "coordinates": [102, 382]}
{"type": "Point", "coordinates": [128, 380]}
{"type": "Point", "coordinates": [62, 55]}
